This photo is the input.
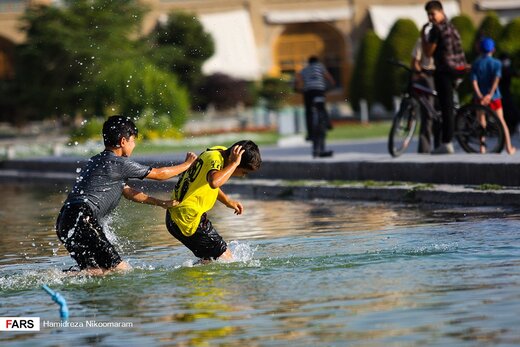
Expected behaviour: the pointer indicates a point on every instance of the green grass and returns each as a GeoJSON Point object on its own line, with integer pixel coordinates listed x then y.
{"type": "Point", "coordinates": [356, 131]}
{"type": "Point", "coordinates": [343, 131]}
{"type": "Point", "coordinates": [489, 186]}
{"type": "Point", "coordinates": [200, 143]}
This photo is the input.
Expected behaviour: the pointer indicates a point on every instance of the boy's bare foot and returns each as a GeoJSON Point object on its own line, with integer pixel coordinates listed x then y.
{"type": "Point", "coordinates": [511, 150]}
{"type": "Point", "coordinates": [97, 271]}
{"type": "Point", "coordinates": [226, 256]}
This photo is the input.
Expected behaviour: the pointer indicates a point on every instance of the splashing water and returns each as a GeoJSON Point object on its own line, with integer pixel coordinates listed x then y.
{"type": "Point", "coordinates": [243, 253]}
{"type": "Point", "coordinates": [29, 279]}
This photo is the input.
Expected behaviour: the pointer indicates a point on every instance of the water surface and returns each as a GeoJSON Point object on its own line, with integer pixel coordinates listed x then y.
{"type": "Point", "coordinates": [308, 273]}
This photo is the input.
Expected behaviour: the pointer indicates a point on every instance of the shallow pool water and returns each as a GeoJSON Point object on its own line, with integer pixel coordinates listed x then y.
{"type": "Point", "coordinates": [308, 273]}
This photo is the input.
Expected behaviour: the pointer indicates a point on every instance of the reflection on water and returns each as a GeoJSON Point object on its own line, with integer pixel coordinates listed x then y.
{"type": "Point", "coordinates": [307, 273]}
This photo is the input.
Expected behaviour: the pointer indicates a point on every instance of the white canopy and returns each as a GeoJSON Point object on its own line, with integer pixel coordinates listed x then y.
{"type": "Point", "coordinates": [235, 48]}
{"type": "Point", "coordinates": [384, 16]}
{"type": "Point", "coordinates": [305, 16]}
{"type": "Point", "coordinates": [498, 5]}
{"type": "Point", "coordinates": [506, 9]}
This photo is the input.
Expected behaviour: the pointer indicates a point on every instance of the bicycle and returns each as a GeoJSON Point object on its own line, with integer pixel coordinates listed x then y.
{"type": "Point", "coordinates": [320, 125]}
{"type": "Point", "coordinates": [476, 127]}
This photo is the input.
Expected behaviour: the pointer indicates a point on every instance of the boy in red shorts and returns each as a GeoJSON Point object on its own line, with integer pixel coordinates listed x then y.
{"type": "Point", "coordinates": [485, 75]}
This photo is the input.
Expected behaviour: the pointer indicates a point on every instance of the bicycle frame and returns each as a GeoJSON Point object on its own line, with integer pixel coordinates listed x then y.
{"type": "Point", "coordinates": [475, 125]}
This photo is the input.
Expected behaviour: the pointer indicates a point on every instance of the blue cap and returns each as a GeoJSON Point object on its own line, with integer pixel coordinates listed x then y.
{"type": "Point", "coordinates": [487, 45]}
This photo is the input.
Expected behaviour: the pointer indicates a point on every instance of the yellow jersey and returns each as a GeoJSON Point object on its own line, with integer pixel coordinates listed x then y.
{"type": "Point", "coordinates": [194, 192]}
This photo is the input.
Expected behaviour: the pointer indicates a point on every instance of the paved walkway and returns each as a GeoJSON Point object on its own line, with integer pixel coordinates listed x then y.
{"type": "Point", "coordinates": [455, 179]}
{"type": "Point", "coordinates": [352, 160]}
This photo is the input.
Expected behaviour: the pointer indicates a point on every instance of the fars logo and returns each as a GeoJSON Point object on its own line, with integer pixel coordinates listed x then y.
{"type": "Point", "coordinates": [19, 323]}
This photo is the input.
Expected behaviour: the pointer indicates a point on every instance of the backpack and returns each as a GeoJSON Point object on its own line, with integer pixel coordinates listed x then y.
{"type": "Point", "coordinates": [454, 59]}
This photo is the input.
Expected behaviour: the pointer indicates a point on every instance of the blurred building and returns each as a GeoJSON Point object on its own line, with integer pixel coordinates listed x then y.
{"type": "Point", "coordinates": [274, 37]}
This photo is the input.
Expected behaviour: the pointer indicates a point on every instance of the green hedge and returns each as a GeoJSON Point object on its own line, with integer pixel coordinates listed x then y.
{"type": "Point", "coordinates": [510, 39]}
{"type": "Point", "coordinates": [363, 77]}
{"type": "Point", "coordinates": [489, 27]}
{"type": "Point", "coordinates": [389, 80]}
{"type": "Point", "coordinates": [466, 30]}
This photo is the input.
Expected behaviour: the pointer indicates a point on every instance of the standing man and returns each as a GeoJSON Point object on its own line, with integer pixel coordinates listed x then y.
{"type": "Point", "coordinates": [312, 80]}
{"type": "Point", "coordinates": [444, 44]}
{"type": "Point", "coordinates": [423, 68]}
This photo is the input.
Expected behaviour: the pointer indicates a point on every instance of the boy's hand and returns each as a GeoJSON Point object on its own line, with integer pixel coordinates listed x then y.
{"type": "Point", "coordinates": [236, 154]}
{"type": "Point", "coordinates": [190, 158]}
{"type": "Point", "coordinates": [486, 99]}
{"type": "Point", "coordinates": [237, 206]}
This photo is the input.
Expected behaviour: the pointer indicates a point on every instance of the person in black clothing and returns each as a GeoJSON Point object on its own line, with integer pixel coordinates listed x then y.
{"type": "Point", "coordinates": [97, 192]}
{"type": "Point", "coordinates": [313, 81]}
{"type": "Point", "coordinates": [444, 44]}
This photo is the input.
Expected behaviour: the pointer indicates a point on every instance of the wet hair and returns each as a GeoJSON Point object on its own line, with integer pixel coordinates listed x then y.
{"type": "Point", "coordinates": [313, 59]}
{"type": "Point", "coordinates": [115, 128]}
{"type": "Point", "coordinates": [433, 6]}
{"type": "Point", "coordinates": [251, 159]}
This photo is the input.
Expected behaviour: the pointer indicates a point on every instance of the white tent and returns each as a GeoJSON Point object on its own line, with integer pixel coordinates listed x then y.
{"type": "Point", "coordinates": [384, 16]}
{"type": "Point", "coordinates": [506, 9]}
{"type": "Point", "coordinates": [306, 16]}
{"type": "Point", "coordinates": [235, 48]}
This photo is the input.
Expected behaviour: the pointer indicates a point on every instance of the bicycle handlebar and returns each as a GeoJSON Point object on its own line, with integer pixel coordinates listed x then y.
{"type": "Point", "coordinates": [400, 64]}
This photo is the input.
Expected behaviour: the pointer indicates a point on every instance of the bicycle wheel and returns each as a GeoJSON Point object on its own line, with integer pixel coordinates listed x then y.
{"type": "Point", "coordinates": [403, 127]}
{"type": "Point", "coordinates": [479, 130]}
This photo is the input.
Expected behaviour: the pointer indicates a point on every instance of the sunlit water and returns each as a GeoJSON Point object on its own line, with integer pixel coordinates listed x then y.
{"type": "Point", "coordinates": [308, 273]}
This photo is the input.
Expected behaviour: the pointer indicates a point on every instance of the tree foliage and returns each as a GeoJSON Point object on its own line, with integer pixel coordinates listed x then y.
{"type": "Point", "coordinates": [467, 30]}
{"type": "Point", "coordinates": [489, 27]}
{"type": "Point", "coordinates": [136, 86]}
{"type": "Point", "coordinates": [510, 39]}
{"type": "Point", "coordinates": [84, 58]}
{"type": "Point", "coordinates": [389, 80]}
{"type": "Point", "coordinates": [275, 92]}
{"type": "Point", "coordinates": [66, 48]}
{"type": "Point", "coordinates": [181, 46]}
{"type": "Point", "coordinates": [225, 92]}
{"type": "Point", "coordinates": [363, 77]}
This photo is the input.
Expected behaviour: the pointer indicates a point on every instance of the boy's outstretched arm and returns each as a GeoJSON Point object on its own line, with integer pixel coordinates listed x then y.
{"type": "Point", "coordinates": [164, 173]}
{"type": "Point", "coordinates": [140, 197]}
{"type": "Point", "coordinates": [235, 205]}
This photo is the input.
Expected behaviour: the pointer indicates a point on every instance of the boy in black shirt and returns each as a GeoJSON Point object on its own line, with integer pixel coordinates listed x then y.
{"type": "Point", "coordinates": [97, 192]}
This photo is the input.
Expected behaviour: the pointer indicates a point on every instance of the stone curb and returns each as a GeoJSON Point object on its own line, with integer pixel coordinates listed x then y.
{"type": "Point", "coordinates": [304, 190]}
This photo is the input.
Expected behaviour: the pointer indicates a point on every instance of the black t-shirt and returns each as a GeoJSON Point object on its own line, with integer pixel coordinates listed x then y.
{"type": "Point", "coordinates": [435, 36]}
{"type": "Point", "coordinates": [100, 183]}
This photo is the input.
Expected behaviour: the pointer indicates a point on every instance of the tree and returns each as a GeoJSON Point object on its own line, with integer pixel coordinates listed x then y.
{"type": "Point", "coordinates": [136, 86]}
{"type": "Point", "coordinates": [466, 29]}
{"type": "Point", "coordinates": [66, 48]}
{"type": "Point", "coordinates": [181, 46]}
{"type": "Point", "coordinates": [489, 27]}
{"type": "Point", "coordinates": [509, 40]}
{"type": "Point", "coordinates": [275, 92]}
{"type": "Point", "coordinates": [224, 92]}
{"type": "Point", "coordinates": [362, 82]}
{"type": "Point", "coordinates": [389, 80]}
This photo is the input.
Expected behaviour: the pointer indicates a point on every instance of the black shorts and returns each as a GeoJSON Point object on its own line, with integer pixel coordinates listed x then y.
{"type": "Point", "coordinates": [205, 243]}
{"type": "Point", "coordinates": [84, 238]}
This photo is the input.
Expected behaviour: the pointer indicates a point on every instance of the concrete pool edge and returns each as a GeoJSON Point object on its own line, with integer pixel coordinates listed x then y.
{"type": "Point", "coordinates": [311, 189]}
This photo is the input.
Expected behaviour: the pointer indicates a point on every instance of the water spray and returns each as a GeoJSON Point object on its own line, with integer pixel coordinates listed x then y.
{"type": "Point", "coordinates": [60, 300]}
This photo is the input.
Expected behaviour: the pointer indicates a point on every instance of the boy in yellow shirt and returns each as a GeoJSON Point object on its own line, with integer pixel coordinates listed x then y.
{"type": "Point", "coordinates": [197, 191]}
